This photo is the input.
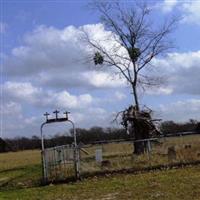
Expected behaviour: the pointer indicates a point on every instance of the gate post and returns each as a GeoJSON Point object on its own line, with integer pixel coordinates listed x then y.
{"type": "Point", "coordinates": [44, 168]}
{"type": "Point", "coordinates": [76, 153]}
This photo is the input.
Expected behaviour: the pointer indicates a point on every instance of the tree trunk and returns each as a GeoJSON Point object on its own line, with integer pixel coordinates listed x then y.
{"type": "Point", "coordinates": [135, 96]}
{"type": "Point", "coordinates": [139, 147]}
{"type": "Point", "coordinates": [141, 131]}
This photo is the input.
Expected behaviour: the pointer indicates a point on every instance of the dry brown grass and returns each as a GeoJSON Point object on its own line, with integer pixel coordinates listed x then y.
{"type": "Point", "coordinates": [19, 159]}
{"type": "Point", "coordinates": [120, 154]}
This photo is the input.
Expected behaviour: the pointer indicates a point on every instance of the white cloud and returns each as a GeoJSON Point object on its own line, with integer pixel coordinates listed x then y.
{"type": "Point", "coordinates": [57, 58]}
{"type": "Point", "coordinates": [160, 91]}
{"type": "Point", "coordinates": [119, 95]}
{"type": "Point", "coordinates": [102, 79]}
{"type": "Point", "coordinates": [14, 122]}
{"type": "Point", "coordinates": [66, 100]}
{"type": "Point", "coordinates": [26, 92]}
{"type": "Point", "coordinates": [191, 12]}
{"type": "Point", "coordinates": [22, 90]}
{"type": "Point", "coordinates": [96, 116]}
{"type": "Point", "coordinates": [168, 5]}
{"type": "Point", "coordinates": [11, 108]}
{"type": "Point", "coordinates": [51, 65]}
{"type": "Point", "coordinates": [181, 110]}
{"type": "Point", "coordinates": [17, 120]}
{"type": "Point", "coordinates": [181, 70]}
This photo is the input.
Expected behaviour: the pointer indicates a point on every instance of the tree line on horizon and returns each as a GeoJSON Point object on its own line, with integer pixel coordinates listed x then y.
{"type": "Point", "coordinates": [94, 134]}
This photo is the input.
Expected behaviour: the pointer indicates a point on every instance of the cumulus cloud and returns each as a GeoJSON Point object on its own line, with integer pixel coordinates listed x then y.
{"type": "Point", "coordinates": [51, 63]}
{"type": "Point", "coordinates": [26, 92]}
{"type": "Point", "coordinates": [191, 12]}
{"type": "Point", "coordinates": [103, 79]}
{"type": "Point", "coordinates": [180, 110]}
{"type": "Point", "coordinates": [53, 58]}
{"type": "Point", "coordinates": [22, 90]}
{"type": "Point", "coordinates": [120, 95]}
{"type": "Point", "coordinates": [17, 122]}
{"type": "Point", "coordinates": [160, 91]}
{"type": "Point", "coordinates": [168, 5]}
{"type": "Point", "coordinates": [181, 70]}
{"type": "Point", "coordinates": [95, 116]}
{"type": "Point", "coordinates": [14, 123]}
{"type": "Point", "coordinates": [10, 108]}
{"type": "Point", "coordinates": [66, 100]}
{"type": "Point", "coordinates": [46, 49]}
{"type": "Point", "coordinates": [58, 58]}
{"type": "Point", "coordinates": [24, 105]}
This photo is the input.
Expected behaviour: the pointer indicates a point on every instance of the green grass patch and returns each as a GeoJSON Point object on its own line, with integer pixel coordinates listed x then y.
{"type": "Point", "coordinates": [21, 173]}
{"type": "Point", "coordinates": [169, 184]}
{"type": "Point", "coordinates": [17, 178]}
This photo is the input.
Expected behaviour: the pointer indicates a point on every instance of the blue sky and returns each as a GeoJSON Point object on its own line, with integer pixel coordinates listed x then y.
{"type": "Point", "coordinates": [41, 72]}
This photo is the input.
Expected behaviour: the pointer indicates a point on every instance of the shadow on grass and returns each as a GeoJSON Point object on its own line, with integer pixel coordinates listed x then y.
{"type": "Point", "coordinates": [30, 176]}
{"type": "Point", "coordinates": [135, 170]}
{"type": "Point", "coordinates": [23, 177]}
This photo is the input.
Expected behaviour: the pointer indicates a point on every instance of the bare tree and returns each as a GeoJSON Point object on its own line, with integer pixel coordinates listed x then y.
{"type": "Point", "coordinates": [129, 49]}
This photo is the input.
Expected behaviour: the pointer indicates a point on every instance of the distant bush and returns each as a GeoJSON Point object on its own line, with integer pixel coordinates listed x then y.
{"type": "Point", "coordinates": [83, 135]}
{"type": "Point", "coordinates": [171, 127]}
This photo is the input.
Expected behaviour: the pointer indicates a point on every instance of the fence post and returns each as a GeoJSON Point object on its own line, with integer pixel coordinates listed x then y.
{"type": "Point", "coordinates": [44, 170]}
{"type": "Point", "coordinates": [76, 153]}
{"type": "Point", "coordinates": [149, 149]}
{"type": "Point", "coordinates": [76, 162]}
{"type": "Point", "coordinates": [149, 145]}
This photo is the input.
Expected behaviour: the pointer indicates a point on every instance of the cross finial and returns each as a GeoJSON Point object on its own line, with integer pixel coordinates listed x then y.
{"type": "Point", "coordinates": [56, 112]}
{"type": "Point", "coordinates": [66, 113]}
{"type": "Point", "coordinates": [46, 115]}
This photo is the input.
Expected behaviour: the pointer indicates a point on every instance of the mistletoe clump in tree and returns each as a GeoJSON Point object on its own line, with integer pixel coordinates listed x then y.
{"type": "Point", "coordinates": [133, 43]}
{"type": "Point", "coordinates": [98, 58]}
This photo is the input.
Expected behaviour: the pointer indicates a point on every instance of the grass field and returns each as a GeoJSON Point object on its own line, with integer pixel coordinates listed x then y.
{"type": "Point", "coordinates": [20, 169]}
{"type": "Point", "coordinates": [120, 155]}
{"type": "Point", "coordinates": [20, 177]}
{"type": "Point", "coordinates": [171, 184]}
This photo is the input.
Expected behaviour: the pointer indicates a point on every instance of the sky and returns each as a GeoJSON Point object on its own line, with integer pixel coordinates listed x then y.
{"type": "Point", "coordinates": [43, 67]}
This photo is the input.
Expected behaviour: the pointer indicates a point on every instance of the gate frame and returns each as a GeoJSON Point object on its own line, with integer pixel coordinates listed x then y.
{"type": "Point", "coordinates": [76, 149]}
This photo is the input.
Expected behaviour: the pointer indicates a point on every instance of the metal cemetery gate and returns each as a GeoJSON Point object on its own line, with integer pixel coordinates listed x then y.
{"type": "Point", "coordinates": [60, 162]}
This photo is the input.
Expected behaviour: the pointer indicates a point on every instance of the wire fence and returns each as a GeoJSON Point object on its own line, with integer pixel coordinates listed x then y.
{"type": "Point", "coordinates": [118, 155]}
{"type": "Point", "coordinates": [63, 162]}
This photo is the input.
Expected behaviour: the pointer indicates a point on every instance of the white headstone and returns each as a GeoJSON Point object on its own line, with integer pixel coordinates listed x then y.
{"type": "Point", "coordinates": [98, 155]}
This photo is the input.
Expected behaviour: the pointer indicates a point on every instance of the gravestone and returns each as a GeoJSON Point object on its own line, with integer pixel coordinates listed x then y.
{"type": "Point", "coordinates": [98, 155]}
{"type": "Point", "coordinates": [171, 152]}
{"type": "Point", "coordinates": [105, 163]}
{"type": "Point", "coordinates": [188, 146]}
